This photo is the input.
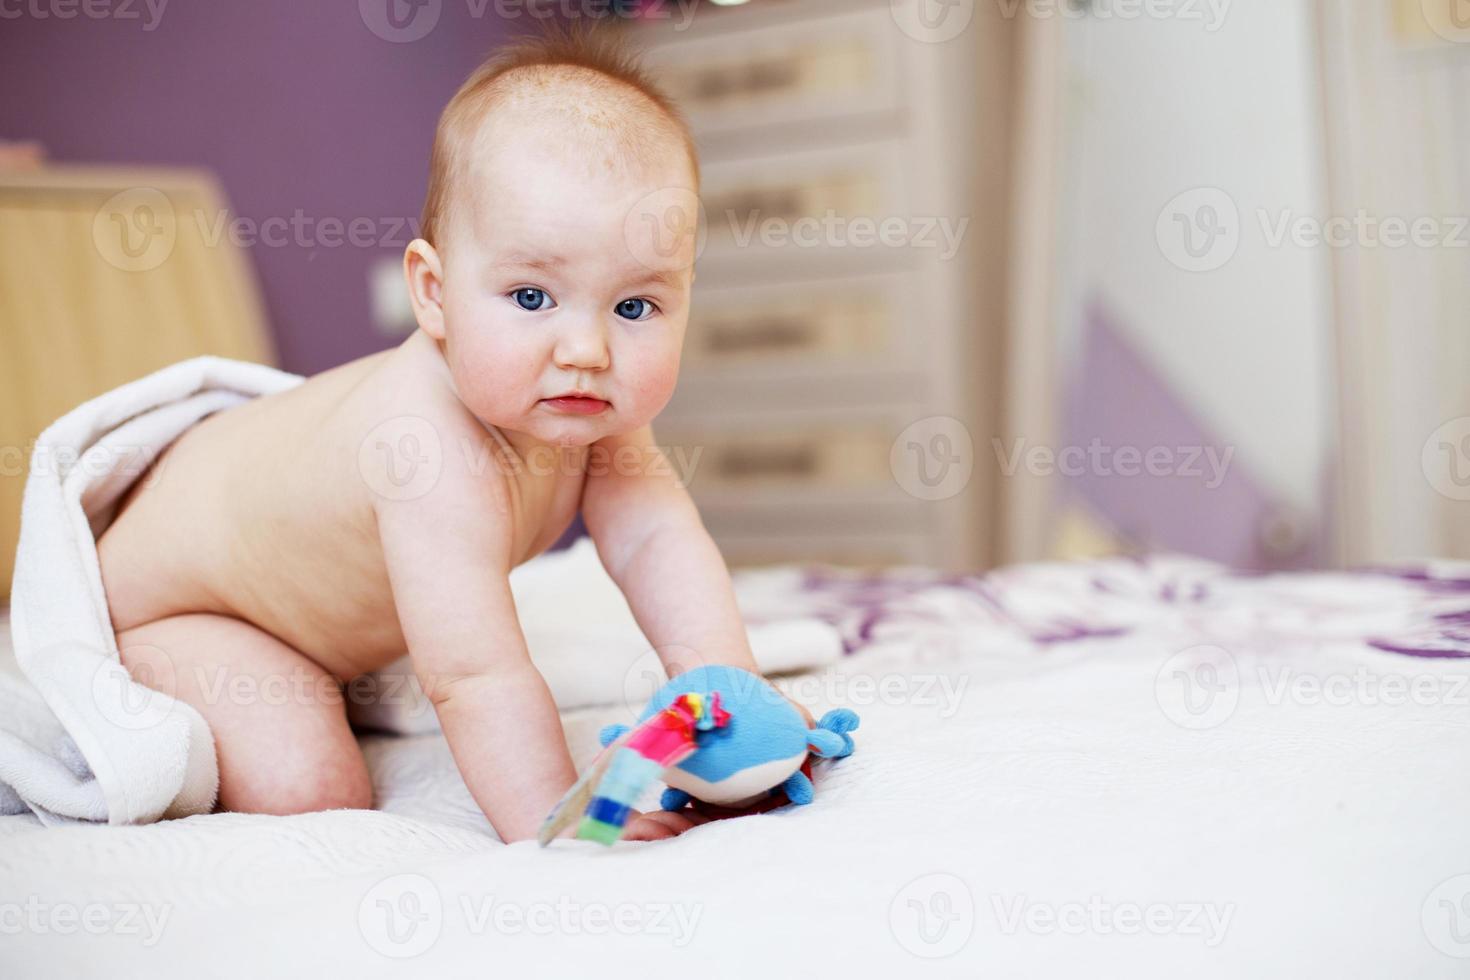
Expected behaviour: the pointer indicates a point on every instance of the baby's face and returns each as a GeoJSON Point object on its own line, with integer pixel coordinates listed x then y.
{"type": "Point", "coordinates": [548, 291]}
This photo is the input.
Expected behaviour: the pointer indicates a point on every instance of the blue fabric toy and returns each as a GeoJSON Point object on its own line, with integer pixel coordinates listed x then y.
{"type": "Point", "coordinates": [718, 734]}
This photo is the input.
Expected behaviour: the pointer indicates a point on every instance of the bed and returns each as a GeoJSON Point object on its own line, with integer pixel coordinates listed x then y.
{"type": "Point", "coordinates": [1126, 767]}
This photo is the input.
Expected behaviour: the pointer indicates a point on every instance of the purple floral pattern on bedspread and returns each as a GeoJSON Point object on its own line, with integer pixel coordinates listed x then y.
{"type": "Point", "coordinates": [1422, 611]}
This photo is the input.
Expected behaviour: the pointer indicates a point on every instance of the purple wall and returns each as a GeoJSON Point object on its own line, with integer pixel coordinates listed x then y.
{"type": "Point", "coordinates": [1212, 506]}
{"type": "Point", "coordinates": [295, 105]}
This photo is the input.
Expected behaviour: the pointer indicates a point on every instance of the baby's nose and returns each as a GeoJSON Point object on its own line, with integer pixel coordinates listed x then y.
{"type": "Point", "coordinates": [583, 348]}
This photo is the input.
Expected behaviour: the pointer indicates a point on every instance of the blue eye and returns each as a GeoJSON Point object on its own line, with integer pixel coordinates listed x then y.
{"type": "Point", "coordinates": [635, 309]}
{"type": "Point", "coordinates": [532, 299]}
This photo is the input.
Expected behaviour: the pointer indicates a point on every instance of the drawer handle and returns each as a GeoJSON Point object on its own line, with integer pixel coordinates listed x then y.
{"type": "Point", "coordinates": [771, 334]}
{"type": "Point", "coordinates": [771, 75]}
{"type": "Point", "coordinates": [798, 461]}
{"type": "Point", "coordinates": [775, 202]}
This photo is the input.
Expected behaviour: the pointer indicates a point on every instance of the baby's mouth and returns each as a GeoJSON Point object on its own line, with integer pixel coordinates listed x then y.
{"type": "Point", "coordinates": [577, 404]}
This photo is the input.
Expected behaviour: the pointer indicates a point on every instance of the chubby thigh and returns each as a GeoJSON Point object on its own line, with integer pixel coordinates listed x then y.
{"type": "Point", "coordinates": [281, 736]}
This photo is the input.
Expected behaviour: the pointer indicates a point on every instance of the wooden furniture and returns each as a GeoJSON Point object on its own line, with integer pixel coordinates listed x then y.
{"type": "Point", "coordinates": [815, 354]}
{"type": "Point", "coordinates": [106, 275]}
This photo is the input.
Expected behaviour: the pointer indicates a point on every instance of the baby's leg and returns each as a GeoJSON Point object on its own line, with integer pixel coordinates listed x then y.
{"type": "Point", "coordinates": [279, 721]}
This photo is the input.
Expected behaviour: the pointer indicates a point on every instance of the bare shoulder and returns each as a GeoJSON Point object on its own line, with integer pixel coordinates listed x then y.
{"type": "Point", "coordinates": [433, 470]}
{"type": "Point", "coordinates": [417, 445]}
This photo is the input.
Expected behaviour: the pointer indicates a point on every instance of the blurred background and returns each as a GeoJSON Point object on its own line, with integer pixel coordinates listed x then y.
{"type": "Point", "coordinates": [982, 281]}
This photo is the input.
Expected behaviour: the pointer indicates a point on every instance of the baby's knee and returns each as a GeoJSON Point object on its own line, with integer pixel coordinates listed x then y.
{"type": "Point", "coordinates": [312, 775]}
{"type": "Point", "coordinates": [329, 794]}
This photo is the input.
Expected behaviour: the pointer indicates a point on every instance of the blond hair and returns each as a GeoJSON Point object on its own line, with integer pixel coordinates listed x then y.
{"type": "Point", "coordinates": [590, 58]}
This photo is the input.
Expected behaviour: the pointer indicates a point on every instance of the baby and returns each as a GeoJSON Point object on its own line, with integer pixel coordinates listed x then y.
{"type": "Point", "coordinates": [379, 507]}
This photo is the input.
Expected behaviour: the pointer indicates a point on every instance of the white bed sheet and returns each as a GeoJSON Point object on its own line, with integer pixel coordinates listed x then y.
{"type": "Point", "coordinates": [1030, 796]}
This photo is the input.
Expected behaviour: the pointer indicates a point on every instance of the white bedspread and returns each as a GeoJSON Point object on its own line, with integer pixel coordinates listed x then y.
{"type": "Point", "coordinates": [1117, 769]}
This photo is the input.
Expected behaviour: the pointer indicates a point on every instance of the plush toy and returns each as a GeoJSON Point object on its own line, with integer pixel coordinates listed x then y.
{"type": "Point", "coordinates": [718, 734]}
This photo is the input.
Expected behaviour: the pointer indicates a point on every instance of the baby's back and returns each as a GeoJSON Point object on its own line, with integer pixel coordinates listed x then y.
{"type": "Point", "coordinates": [262, 512]}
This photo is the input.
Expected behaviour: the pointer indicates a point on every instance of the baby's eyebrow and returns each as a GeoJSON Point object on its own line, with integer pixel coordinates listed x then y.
{"type": "Point", "coordinates": [656, 277]}
{"type": "Point", "coordinates": [552, 263]}
{"type": "Point", "coordinates": [545, 263]}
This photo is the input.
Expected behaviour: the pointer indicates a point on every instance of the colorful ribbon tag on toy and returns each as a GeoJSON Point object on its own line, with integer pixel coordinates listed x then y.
{"type": "Point", "coordinates": [709, 716]}
{"type": "Point", "coordinates": [628, 765]}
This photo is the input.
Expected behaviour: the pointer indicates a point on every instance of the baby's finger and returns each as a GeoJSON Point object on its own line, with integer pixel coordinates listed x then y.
{"type": "Point", "coordinates": [675, 821]}
{"type": "Point", "coordinates": [658, 825]}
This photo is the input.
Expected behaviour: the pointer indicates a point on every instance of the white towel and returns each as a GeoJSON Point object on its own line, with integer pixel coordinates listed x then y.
{"type": "Point", "coordinates": [85, 742]}
{"type": "Point", "coordinates": [147, 756]}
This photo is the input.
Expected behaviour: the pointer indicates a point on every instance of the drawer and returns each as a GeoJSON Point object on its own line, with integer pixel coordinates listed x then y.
{"type": "Point", "coordinates": [843, 203]}
{"type": "Point", "coordinates": [841, 458]}
{"type": "Point", "coordinates": [804, 72]}
{"type": "Point", "coordinates": [865, 323]}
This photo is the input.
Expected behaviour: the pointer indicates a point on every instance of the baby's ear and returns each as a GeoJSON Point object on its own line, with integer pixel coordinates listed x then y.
{"type": "Point", "coordinates": [424, 273]}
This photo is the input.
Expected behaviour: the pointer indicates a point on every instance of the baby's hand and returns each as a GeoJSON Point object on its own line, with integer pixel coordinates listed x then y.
{"type": "Point", "coordinates": [801, 710]}
{"type": "Point", "coordinates": [663, 824]}
{"type": "Point", "coordinates": [658, 825]}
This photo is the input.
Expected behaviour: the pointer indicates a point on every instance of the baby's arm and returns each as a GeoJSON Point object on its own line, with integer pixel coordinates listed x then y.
{"type": "Point", "coordinates": [652, 542]}
{"type": "Point", "coordinates": [448, 559]}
